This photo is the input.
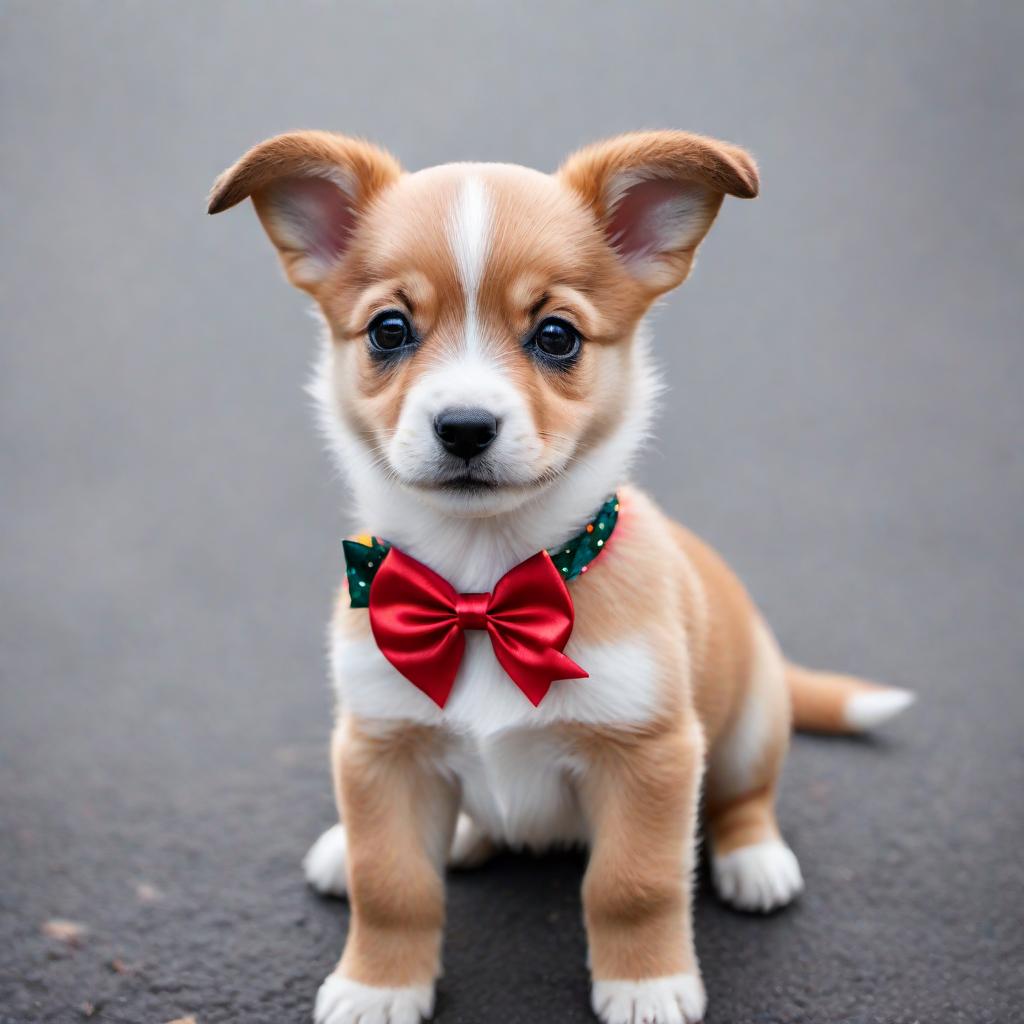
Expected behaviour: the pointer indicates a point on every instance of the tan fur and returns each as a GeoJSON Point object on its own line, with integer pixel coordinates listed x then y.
{"type": "Point", "coordinates": [721, 652]}
{"type": "Point", "coordinates": [641, 582]}
{"type": "Point", "coordinates": [745, 821]}
{"type": "Point", "coordinates": [400, 817]}
{"type": "Point", "coordinates": [640, 792]}
{"type": "Point", "coordinates": [298, 153]}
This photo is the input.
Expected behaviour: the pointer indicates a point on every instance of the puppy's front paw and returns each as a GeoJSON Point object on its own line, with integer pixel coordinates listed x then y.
{"type": "Point", "coordinates": [759, 878]}
{"type": "Point", "coordinates": [324, 864]}
{"type": "Point", "coordinates": [678, 999]}
{"type": "Point", "coordinates": [343, 1001]}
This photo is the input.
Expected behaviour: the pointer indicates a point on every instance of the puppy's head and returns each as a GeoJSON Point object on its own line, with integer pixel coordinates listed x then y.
{"type": "Point", "coordinates": [482, 316]}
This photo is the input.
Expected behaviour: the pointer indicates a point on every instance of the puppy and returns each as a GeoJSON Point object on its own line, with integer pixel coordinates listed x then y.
{"type": "Point", "coordinates": [485, 383]}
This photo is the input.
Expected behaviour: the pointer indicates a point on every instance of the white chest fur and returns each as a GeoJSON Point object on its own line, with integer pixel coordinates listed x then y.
{"type": "Point", "coordinates": [516, 774]}
{"type": "Point", "coordinates": [621, 688]}
{"type": "Point", "coordinates": [519, 787]}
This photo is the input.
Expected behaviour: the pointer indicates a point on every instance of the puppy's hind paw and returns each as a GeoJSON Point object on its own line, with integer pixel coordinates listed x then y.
{"type": "Point", "coordinates": [677, 999]}
{"type": "Point", "coordinates": [325, 864]}
{"type": "Point", "coordinates": [759, 878]}
{"type": "Point", "coordinates": [471, 847]}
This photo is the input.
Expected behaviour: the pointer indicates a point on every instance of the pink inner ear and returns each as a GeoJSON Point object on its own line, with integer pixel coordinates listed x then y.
{"type": "Point", "coordinates": [648, 217]}
{"type": "Point", "coordinates": [312, 214]}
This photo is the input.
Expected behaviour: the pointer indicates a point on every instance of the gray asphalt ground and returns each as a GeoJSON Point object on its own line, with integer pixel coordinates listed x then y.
{"type": "Point", "coordinates": [844, 424]}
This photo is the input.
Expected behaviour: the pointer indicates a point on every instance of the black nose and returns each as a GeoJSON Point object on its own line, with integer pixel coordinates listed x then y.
{"type": "Point", "coordinates": [465, 432]}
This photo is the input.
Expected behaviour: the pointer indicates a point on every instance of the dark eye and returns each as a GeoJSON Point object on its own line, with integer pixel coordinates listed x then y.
{"type": "Point", "coordinates": [389, 332]}
{"type": "Point", "coordinates": [557, 339]}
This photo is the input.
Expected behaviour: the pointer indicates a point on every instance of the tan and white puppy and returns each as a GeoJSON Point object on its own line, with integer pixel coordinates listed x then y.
{"type": "Point", "coordinates": [486, 383]}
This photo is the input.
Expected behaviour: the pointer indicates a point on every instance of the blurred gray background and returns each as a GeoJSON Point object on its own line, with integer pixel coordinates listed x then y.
{"type": "Point", "coordinates": [844, 424]}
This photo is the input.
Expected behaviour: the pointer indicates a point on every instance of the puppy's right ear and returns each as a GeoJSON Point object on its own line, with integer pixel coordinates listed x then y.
{"type": "Point", "coordinates": [309, 190]}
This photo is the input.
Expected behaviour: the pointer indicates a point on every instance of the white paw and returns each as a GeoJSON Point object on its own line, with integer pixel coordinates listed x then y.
{"type": "Point", "coordinates": [324, 864]}
{"type": "Point", "coordinates": [470, 846]}
{"type": "Point", "coordinates": [678, 999]}
{"type": "Point", "coordinates": [761, 877]}
{"type": "Point", "coordinates": [341, 1001]}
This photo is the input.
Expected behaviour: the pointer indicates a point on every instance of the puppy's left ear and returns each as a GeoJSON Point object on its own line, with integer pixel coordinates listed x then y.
{"type": "Point", "coordinates": [656, 194]}
{"type": "Point", "coordinates": [310, 190]}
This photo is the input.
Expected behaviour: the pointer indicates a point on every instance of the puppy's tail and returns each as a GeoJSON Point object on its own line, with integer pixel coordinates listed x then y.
{"type": "Point", "coordinates": [826, 702]}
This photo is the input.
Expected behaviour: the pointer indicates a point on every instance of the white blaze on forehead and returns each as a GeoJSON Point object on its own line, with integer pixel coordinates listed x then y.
{"type": "Point", "coordinates": [469, 235]}
{"type": "Point", "coordinates": [465, 372]}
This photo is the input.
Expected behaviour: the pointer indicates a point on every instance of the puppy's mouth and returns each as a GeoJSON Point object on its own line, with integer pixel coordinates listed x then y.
{"type": "Point", "coordinates": [477, 479]}
{"type": "Point", "coordinates": [464, 482]}
{"type": "Point", "coordinates": [467, 483]}
{"type": "Point", "coordinates": [472, 480]}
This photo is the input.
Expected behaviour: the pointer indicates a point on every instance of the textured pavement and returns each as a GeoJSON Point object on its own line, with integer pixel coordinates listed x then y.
{"type": "Point", "coordinates": [844, 424]}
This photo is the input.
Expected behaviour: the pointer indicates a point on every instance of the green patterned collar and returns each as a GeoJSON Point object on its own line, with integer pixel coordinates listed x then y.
{"type": "Point", "coordinates": [364, 556]}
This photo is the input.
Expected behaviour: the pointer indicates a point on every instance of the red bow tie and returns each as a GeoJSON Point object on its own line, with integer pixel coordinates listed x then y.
{"type": "Point", "coordinates": [418, 621]}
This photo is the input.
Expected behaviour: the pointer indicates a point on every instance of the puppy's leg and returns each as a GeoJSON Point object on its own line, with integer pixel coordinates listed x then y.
{"type": "Point", "coordinates": [639, 793]}
{"type": "Point", "coordinates": [752, 867]}
{"type": "Point", "coordinates": [399, 813]}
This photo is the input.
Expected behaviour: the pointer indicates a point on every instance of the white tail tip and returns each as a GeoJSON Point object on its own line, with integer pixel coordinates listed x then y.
{"type": "Point", "coordinates": [875, 707]}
